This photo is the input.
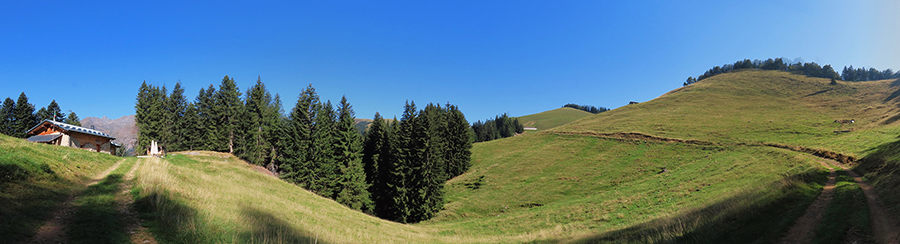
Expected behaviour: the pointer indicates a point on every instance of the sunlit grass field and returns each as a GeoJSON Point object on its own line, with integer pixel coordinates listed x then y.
{"type": "Point", "coordinates": [553, 118]}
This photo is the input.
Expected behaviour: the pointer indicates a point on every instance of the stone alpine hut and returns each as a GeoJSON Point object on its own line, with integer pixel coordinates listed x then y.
{"type": "Point", "coordinates": [62, 134]}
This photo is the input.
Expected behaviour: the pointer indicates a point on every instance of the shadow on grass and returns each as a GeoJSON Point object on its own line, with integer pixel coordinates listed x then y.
{"type": "Point", "coordinates": [896, 93]}
{"type": "Point", "coordinates": [96, 218]}
{"type": "Point", "coordinates": [172, 221]}
{"type": "Point", "coordinates": [266, 228]}
{"type": "Point", "coordinates": [759, 217]}
{"type": "Point", "coordinates": [29, 193]}
{"type": "Point", "coordinates": [881, 168]}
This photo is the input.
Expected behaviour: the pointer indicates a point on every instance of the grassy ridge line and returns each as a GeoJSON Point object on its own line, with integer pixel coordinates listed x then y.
{"type": "Point", "coordinates": [764, 106]}
{"type": "Point", "coordinates": [35, 178]}
{"type": "Point", "coordinates": [553, 118]}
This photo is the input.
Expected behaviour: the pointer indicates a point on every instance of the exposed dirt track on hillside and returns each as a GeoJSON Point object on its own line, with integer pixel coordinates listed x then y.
{"type": "Point", "coordinates": [138, 233]}
{"type": "Point", "coordinates": [846, 159]}
{"type": "Point", "coordinates": [885, 231]}
{"type": "Point", "coordinates": [805, 226]}
{"type": "Point", "coordinates": [54, 230]}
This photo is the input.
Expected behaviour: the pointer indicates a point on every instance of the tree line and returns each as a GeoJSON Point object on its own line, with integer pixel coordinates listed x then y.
{"type": "Point", "coordinates": [16, 117]}
{"type": "Point", "coordinates": [395, 170]}
{"type": "Point", "coordinates": [586, 108]}
{"type": "Point", "coordinates": [811, 69]}
{"type": "Point", "coordinates": [501, 126]}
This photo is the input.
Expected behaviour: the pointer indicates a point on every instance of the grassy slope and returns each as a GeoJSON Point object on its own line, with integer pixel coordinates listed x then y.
{"type": "Point", "coordinates": [763, 106]}
{"type": "Point", "coordinates": [35, 178]}
{"type": "Point", "coordinates": [553, 118]}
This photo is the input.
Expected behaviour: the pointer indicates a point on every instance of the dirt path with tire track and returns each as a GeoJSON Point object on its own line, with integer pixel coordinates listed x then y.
{"type": "Point", "coordinates": [805, 227]}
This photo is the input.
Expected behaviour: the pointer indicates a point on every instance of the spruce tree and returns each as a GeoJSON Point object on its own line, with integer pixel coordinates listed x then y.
{"type": "Point", "coordinates": [208, 138]}
{"type": "Point", "coordinates": [7, 116]}
{"type": "Point", "coordinates": [229, 111]}
{"type": "Point", "coordinates": [176, 108]}
{"type": "Point", "coordinates": [376, 161]}
{"type": "Point", "coordinates": [296, 164]}
{"type": "Point", "coordinates": [458, 142]}
{"type": "Point", "coordinates": [324, 165]}
{"type": "Point", "coordinates": [24, 117]}
{"type": "Point", "coordinates": [353, 189]}
{"type": "Point", "coordinates": [73, 119]}
{"type": "Point", "coordinates": [262, 117]}
{"type": "Point", "coordinates": [149, 115]}
{"type": "Point", "coordinates": [192, 128]}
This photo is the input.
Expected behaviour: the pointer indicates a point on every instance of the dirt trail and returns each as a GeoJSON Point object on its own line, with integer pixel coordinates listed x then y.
{"type": "Point", "coordinates": [54, 230]}
{"type": "Point", "coordinates": [805, 226]}
{"type": "Point", "coordinates": [139, 234]}
{"type": "Point", "coordinates": [884, 230]}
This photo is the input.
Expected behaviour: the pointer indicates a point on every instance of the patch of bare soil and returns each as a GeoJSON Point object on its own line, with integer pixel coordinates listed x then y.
{"type": "Point", "coordinates": [804, 228]}
{"type": "Point", "coordinates": [54, 231]}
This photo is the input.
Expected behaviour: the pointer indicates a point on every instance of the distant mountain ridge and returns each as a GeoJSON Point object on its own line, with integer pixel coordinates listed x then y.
{"type": "Point", "coordinates": [123, 129]}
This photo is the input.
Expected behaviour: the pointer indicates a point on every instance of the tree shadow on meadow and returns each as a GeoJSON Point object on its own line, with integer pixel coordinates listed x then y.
{"type": "Point", "coordinates": [264, 227]}
{"type": "Point", "coordinates": [29, 193]}
{"type": "Point", "coordinates": [881, 168]}
{"type": "Point", "coordinates": [96, 218]}
{"type": "Point", "coordinates": [757, 217]}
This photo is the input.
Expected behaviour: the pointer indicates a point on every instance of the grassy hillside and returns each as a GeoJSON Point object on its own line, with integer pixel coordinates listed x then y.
{"type": "Point", "coordinates": [553, 118]}
{"type": "Point", "coordinates": [763, 106]}
{"type": "Point", "coordinates": [35, 178]}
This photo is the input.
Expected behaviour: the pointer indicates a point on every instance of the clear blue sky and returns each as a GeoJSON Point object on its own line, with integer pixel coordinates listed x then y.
{"type": "Point", "coordinates": [487, 57]}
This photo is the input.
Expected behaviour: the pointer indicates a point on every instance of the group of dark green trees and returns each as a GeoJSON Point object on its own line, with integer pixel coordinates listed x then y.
{"type": "Point", "coordinates": [395, 171]}
{"type": "Point", "coordinates": [586, 108]}
{"type": "Point", "coordinates": [16, 117]}
{"type": "Point", "coordinates": [501, 126]}
{"type": "Point", "coordinates": [809, 69]}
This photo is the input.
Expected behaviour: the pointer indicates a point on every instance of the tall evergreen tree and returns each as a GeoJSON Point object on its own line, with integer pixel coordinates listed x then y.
{"type": "Point", "coordinates": [229, 110]}
{"type": "Point", "coordinates": [208, 137]}
{"type": "Point", "coordinates": [324, 165]}
{"type": "Point", "coordinates": [7, 116]}
{"type": "Point", "coordinates": [73, 119]}
{"type": "Point", "coordinates": [405, 165]}
{"type": "Point", "coordinates": [192, 128]}
{"type": "Point", "coordinates": [149, 115]}
{"type": "Point", "coordinates": [296, 164]}
{"type": "Point", "coordinates": [176, 126]}
{"type": "Point", "coordinates": [262, 118]}
{"type": "Point", "coordinates": [23, 116]}
{"type": "Point", "coordinates": [353, 189]}
{"type": "Point", "coordinates": [377, 165]}
{"type": "Point", "coordinates": [459, 143]}
{"type": "Point", "coordinates": [51, 112]}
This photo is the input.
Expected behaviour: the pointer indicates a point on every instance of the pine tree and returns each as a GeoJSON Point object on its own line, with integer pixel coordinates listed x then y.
{"type": "Point", "coordinates": [24, 117]}
{"type": "Point", "coordinates": [458, 142]}
{"type": "Point", "coordinates": [324, 167]}
{"type": "Point", "coordinates": [353, 189]}
{"type": "Point", "coordinates": [405, 165]}
{"type": "Point", "coordinates": [7, 116]}
{"type": "Point", "coordinates": [176, 108]}
{"type": "Point", "coordinates": [208, 138]}
{"type": "Point", "coordinates": [73, 119]}
{"type": "Point", "coordinates": [192, 128]}
{"type": "Point", "coordinates": [262, 117]}
{"type": "Point", "coordinates": [149, 115]}
{"type": "Point", "coordinates": [296, 164]}
{"type": "Point", "coordinates": [229, 111]}
{"type": "Point", "coordinates": [376, 161]}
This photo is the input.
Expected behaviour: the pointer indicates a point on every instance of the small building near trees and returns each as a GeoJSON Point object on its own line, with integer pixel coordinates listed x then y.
{"type": "Point", "coordinates": [62, 134]}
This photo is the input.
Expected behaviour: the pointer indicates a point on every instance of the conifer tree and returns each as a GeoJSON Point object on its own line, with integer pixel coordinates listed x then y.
{"type": "Point", "coordinates": [229, 111]}
{"type": "Point", "coordinates": [208, 138]}
{"type": "Point", "coordinates": [51, 112]}
{"type": "Point", "coordinates": [7, 116]}
{"type": "Point", "coordinates": [377, 165]}
{"type": "Point", "coordinates": [24, 117]}
{"type": "Point", "coordinates": [353, 189]}
{"type": "Point", "coordinates": [405, 151]}
{"type": "Point", "coordinates": [324, 167]}
{"type": "Point", "coordinates": [458, 142]}
{"type": "Point", "coordinates": [73, 119]}
{"type": "Point", "coordinates": [149, 115]}
{"type": "Point", "coordinates": [192, 128]}
{"type": "Point", "coordinates": [176, 126]}
{"type": "Point", "coordinates": [296, 164]}
{"type": "Point", "coordinates": [262, 116]}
